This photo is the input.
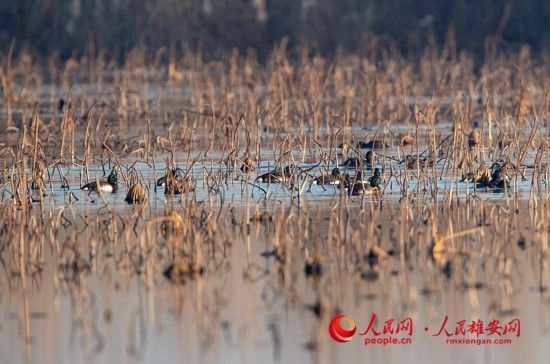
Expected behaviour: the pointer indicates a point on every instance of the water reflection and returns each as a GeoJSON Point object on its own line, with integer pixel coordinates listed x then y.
{"type": "Point", "coordinates": [270, 287]}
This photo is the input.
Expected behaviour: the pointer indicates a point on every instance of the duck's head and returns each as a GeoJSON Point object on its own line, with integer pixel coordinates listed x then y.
{"type": "Point", "coordinates": [335, 172]}
{"type": "Point", "coordinates": [290, 170]}
{"type": "Point", "coordinates": [112, 178]}
{"type": "Point", "coordinates": [376, 172]}
{"type": "Point", "coordinates": [495, 167]}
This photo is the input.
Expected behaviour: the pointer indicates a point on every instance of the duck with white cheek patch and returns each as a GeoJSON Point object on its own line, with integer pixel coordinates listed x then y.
{"type": "Point", "coordinates": [104, 186]}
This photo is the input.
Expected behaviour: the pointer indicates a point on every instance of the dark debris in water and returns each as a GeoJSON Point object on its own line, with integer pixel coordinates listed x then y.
{"type": "Point", "coordinates": [316, 308]}
{"type": "Point", "coordinates": [370, 275]}
{"type": "Point", "coordinates": [180, 272]}
{"type": "Point", "coordinates": [71, 271]}
{"type": "Point", "coordinates": [313, 267]}
{"type": "Point", "coordinates": [277, 253]}
{"type": "Point", "coordinates": [427, 291]}
{"type": "Point", "coordinates": [521, 242]}
{"type": "Point", "coordinates": [474, 285]}
{"type": "Point", "coordinates": [447, 269]}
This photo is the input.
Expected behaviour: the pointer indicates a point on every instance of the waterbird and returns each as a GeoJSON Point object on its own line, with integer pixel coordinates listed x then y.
{"type": "Point", "coordinates": [169, 173]}
{"type": "Point", "coordinates": [482, 176]}
{"type": "Point", "coordinates": [372, 144]}
{"type": "Point", "coordinates": [362, 187]}
{"type": "Point", "coordinates": [278, 175]}
{"type": "Point", "coordinates": [177, 186]}
{"type": "Point", "coordinates": [415, 162]}
{"type": "Point", "coordinates": [500, 176]}
{"type": "Point", "coordinates": [248, 165]}
{"type": "Point", "coordinates": [136, 195]}
{"type": "Point", "coordinates": [104, 186]}
{"type": "Point", "coordinates": [375, 180]}
{"type": "Point", "coordinates": [497, 177]}
{"type": "Point", "coordinates": [60, 104]}
{"type": "Point", "coordinates": [357, 163]}
{"type": "Point", "coordinates": [335, 178]}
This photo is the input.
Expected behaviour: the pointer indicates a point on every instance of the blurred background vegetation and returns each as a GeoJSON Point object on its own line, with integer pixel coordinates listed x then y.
{"type": "Point", "coordinates": [74, 27]}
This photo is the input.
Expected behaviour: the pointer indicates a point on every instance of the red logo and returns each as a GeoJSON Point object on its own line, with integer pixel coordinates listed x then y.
{"type": "Point", "coordinates": [337, 332]}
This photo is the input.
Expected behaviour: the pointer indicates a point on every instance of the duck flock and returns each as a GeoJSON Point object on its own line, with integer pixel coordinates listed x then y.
{"type": "Point", "coordinates": [354, 176]}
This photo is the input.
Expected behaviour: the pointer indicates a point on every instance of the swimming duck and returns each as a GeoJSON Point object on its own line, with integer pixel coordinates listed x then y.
{"type": "Point", "coordinates": [375, 180]}
{"type": "Point", "coordinates": [335, 178]}
{"type": "Point", "coordinates": [169, 173]}
{"type": "Point", "coordinates": [177, 186]}
{"type": "Point", "coordinates": [356, 163]}
{"type": "Point", "coordinates": [497, 177]}
{"type": "Point", "coordinates": [500, 177]}
{"type": "Point", "coordinates": [278, 176]}
{"type": "Point", "coordinates": [362, 187]}
{"type": "Point", "coordinates": [414, 162]}
{"type": "Point", "coordinates": [104, 186]}
{"type": "Point", "coordinates": [136, 195]}
{"type": "Point", "coordinates": [248, 165]}
{"type": "Point", "coordinates": [372, 144]}
{"type": "Point", "coordinates": [481, 176]}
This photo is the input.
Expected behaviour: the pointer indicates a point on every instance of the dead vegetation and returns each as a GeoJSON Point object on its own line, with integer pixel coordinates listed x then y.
{"type": "Point", "coordinates": [219, 126]}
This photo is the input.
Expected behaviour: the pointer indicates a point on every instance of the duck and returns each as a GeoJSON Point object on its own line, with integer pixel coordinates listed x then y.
{"type": "Point", "coordinates": [414, 162]}
{"type": "Point", "coordinates": [60, 104]}
{"type": "Point", "coordinates": [136, 195]}
{"type": "Point", "coordinates": [358, 178]}
{"type": "Point", "coordinates": [169, 173]}
{"type": "Point", "coordinates": [481, 176]}
{"type": "Point", "coordinates": [177, 186]}
{"type": "Point", "coordinates": [248, 165]}
{"type": "Point", "coordinates": [371, 186]}
{"type": "Point", "coordinates": [376, 179]}
{"type": "Point", "coordinates": [104, 186]}
{"type": "Point", "coordinates": [364, 189]}
{"type": "Point", "coordinates": [335, 178]}
{"type": "Point", "coordinates": [497, 177]}
{"type": "Point", "coordinates": [278, 175]}
{"type": "Point", "coordinates": [500, 177]}
{"type": "Point", "coordinates": [356, 162]}
{"type": "Point", "coordinates": [372, 144]}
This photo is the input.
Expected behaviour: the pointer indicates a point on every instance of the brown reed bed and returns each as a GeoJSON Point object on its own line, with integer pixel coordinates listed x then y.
{"type": "Point", "coordinates": [463, 153]}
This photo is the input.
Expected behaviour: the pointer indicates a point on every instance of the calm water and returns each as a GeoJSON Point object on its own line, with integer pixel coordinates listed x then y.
{"type": "Point", "coordinates": [253, 309]}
